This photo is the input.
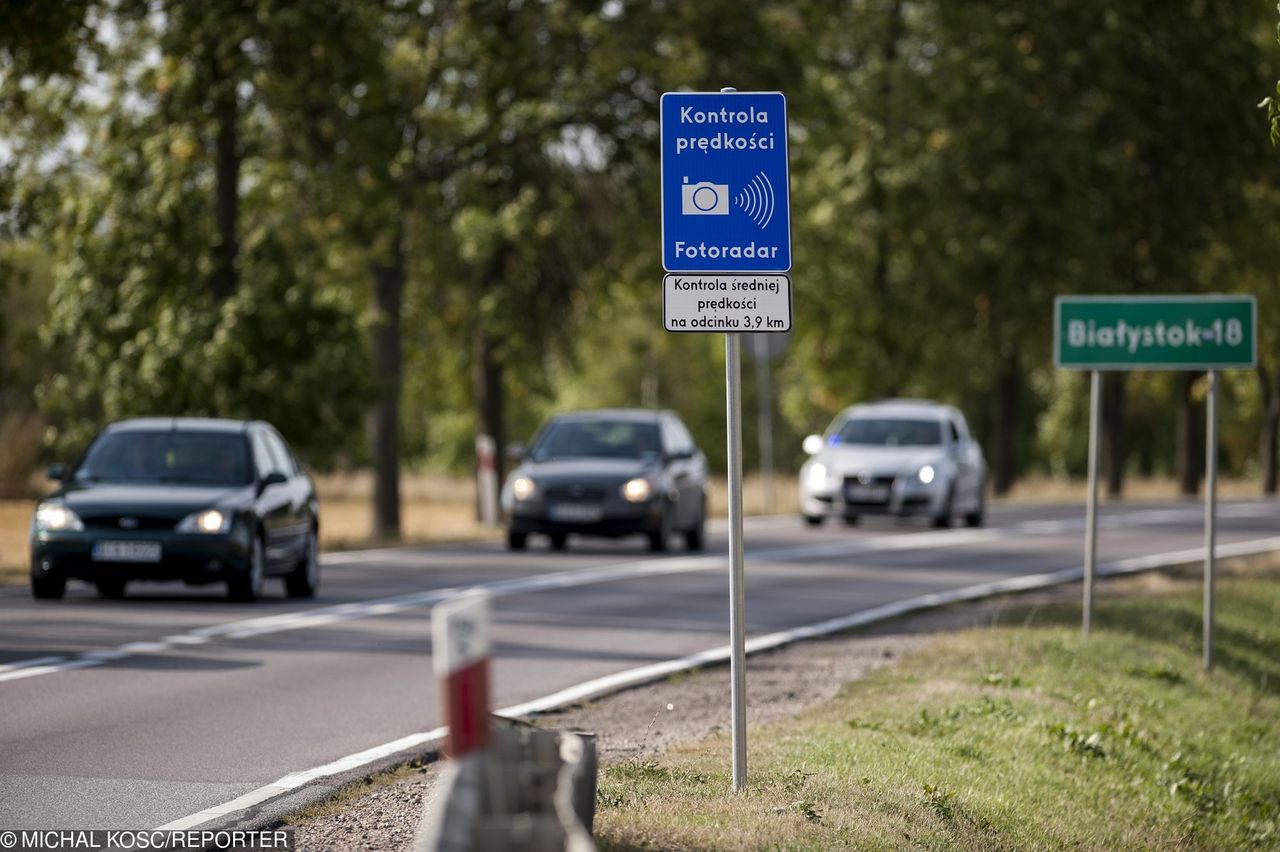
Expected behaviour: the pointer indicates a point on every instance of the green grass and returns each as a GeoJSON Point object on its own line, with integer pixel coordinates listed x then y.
{"type": "Point", "coordinates": [1025, 738]}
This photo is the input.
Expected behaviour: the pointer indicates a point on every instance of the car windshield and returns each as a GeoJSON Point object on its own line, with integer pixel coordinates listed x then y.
{"type": "Point", "coordinates": [192, 458]}
{"type": "Point", "coordinates": [885, 432]}
{"type": "Point", "coordinates": [613, 439]}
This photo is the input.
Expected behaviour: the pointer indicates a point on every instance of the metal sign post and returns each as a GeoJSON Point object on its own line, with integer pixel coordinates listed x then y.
{"type": "Point", "coordinates": [1091, 507]}
{"type": "Point", "coordinates": [1210, 512]}
{"type": "Point", "coordinates": [726, 237]}
{"type": "Point", "coordinates": [737, 568]}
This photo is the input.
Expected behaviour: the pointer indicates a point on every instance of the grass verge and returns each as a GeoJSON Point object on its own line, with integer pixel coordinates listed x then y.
{"type": "Point", "coordinates": [1026, 737]}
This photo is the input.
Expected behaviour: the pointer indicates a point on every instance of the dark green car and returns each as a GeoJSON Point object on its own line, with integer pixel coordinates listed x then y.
{"type": "Point", "coordinates": [194, 500]}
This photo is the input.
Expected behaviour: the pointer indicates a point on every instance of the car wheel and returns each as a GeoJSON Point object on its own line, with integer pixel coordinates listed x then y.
{"type": "Point", "coordinates": [943, 519]}
{"type": "Point", "coordinates": [695, 538]}
{"type": "Point", "coordinates": [304, 580]}
{"type": "Point", "coordinates": [813, 520]}
{"type": "Point", "coordinates": [248, 586]}
{"type": "Point", "coordinates": [48, 588]}
{"type": "Point", "coordinates": [851, 520]}
{"type": "Point", "coordinates": [658, 538]}
{"type": "Point", "coordinates": [977, 517]}
{"type": "Point", "coordinates": [516, 540]}
{"type": "Point", "coordinates": [113, 589]}
{"type": "Point", "coordinates": [559, 541]}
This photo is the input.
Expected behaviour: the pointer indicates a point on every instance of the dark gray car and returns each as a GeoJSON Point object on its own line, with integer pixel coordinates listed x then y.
{"type": "Point", "coordinates": [200, 501]}
{"type": "Point", "coordinates": [610, 473]}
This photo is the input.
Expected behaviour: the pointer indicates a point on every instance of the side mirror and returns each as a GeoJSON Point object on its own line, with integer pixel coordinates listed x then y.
{"type": "Point", "coordinates": [274, 478]}
{"type": "Point", "coordinates": [57, 472]}
{"type": "Point", "coordinates": [515, 451]}
{"type": "Point", "coordinates": [812, 445]}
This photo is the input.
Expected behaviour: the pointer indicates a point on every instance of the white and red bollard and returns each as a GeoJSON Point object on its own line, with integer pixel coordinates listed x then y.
{"type": "Point", "coordinates": [460, 651]}
{"type": "Point", "coordinates": [487, 479]}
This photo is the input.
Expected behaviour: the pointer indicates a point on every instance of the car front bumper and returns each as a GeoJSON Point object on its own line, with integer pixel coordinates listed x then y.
{"type": "Point", "coordinates": [189, 558]}
{"type": "Point", "coordinates": [903, 496]}
{"type": "Point", "coordinates": [615, 519]}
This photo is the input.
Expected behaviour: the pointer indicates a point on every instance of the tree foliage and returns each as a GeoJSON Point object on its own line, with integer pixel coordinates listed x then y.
{"type": "Point", "coordinates": [122, 192]}
{"type": "Point", "coordinates": [447, 210]}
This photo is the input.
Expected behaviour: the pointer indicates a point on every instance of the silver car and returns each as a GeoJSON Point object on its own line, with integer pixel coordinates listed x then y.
{"type": "Point", "coordinates": [898, 457]}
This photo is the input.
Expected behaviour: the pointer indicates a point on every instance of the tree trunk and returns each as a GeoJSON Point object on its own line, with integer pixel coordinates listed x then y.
{"type": "Point", "coordinates": [490, 401]}
{"type": "Point", "coordinates": [1190, 440]}
{"type": "Point", "coordinates": [388, 293]}
{"type": "Point", "coordinates": [1269, 385]}
{"type": "Point", "coordinates": [1113, 443]}
{"type": "Point", "coordinates": [878, 200]}
{"type": "Point", "coordinates": [1007, 398]}
{"type": "Point", "coordinates": [226, 190]}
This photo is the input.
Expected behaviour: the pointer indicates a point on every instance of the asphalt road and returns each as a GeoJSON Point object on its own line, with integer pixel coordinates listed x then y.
{"type": "Point", "coordinates": [136, 713]}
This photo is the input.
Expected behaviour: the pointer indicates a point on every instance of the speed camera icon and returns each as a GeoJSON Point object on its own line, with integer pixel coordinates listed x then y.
{"type": "Point", "coordinates": [704, 198]}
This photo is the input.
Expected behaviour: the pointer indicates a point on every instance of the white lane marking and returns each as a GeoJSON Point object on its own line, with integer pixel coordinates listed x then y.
{"type": "Point", "coordinates": [143, 648]}
{"type": "Point", "coordinates": [656, 671]}
{"type": "Point", "coordinates": [83, 662]}
{"type": "Point", "coordinates": [304, 619]}
{"type": "Point", "coordinates": [185, 640]}
{"type": "Point", "coordinates": [38, 661]}
{"type": "Point", "coordinates": [105, 655]}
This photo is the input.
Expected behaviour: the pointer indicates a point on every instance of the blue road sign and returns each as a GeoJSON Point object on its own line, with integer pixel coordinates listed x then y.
{"type": "Point", "coordinates": [726, 198]}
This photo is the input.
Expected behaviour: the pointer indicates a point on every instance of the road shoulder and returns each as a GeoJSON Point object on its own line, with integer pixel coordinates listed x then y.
{"type": "Point", "coordinates": [381, 812]}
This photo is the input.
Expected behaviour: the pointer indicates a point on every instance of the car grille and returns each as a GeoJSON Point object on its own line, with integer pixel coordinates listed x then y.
{"type": "Point", "coordinates": [112, 523]}
{"type": "Point", "coordinates": [575, 493]}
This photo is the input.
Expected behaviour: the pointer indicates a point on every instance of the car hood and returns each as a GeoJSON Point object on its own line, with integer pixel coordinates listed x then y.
{"type": "Point", "coordinates": [877, 461]}
{"type": "Point", "coordinates": [587, 470]}
{"type": "Point", "coordinates": [171, 502]}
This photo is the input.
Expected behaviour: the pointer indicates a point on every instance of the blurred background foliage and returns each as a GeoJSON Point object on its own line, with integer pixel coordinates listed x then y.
{"type": "Point", "coordinates": [386, 226]}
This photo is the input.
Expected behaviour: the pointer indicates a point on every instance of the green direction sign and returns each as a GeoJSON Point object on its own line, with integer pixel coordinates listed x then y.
{"type": "Point", "coordinates": [1155, 332]}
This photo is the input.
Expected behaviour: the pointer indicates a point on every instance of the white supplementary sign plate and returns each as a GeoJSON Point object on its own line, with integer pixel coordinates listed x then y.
{"type": "Point", "coordinates": [726, 303]}
{"type": "Point", "coordinates": [460, 632]}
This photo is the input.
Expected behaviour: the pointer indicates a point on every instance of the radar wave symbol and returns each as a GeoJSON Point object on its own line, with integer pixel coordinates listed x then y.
{"type": "Point", "coordinates": [757, 200]}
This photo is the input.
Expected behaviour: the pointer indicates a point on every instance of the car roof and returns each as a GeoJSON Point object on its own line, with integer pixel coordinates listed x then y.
{"type": "Point", "coordinates": [179, 424]}
{"type": "Point", "coordinates": [638, 415]}
{"type": "Point", "coordinates": [901, 408]}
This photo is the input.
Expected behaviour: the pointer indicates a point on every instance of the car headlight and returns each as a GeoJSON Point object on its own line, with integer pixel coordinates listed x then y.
{"type": "Point", "coordinates": [927, 473]}
{"type": "Point", "coordinates": [55, 517]}
{"type": "Point", "coordinates": [523, 488]}
{"type": "Point", "coordinates": [637, 490]}
{"type": "Point", "coordinates": [816, 476]}
{"type": "Point", "coordinates": [209, 522]}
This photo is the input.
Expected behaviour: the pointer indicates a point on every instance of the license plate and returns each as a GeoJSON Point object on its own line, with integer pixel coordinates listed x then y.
{"type": "Point", "coordinates": [867, 493]}
{"type": "Point", "coordinates": [580, 513]}
{"type": "Point", "coordinates": [126, 551]}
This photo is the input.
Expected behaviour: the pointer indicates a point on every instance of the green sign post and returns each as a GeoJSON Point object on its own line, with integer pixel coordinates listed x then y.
{"type": "Point", "coordinates": [1155, 333]}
